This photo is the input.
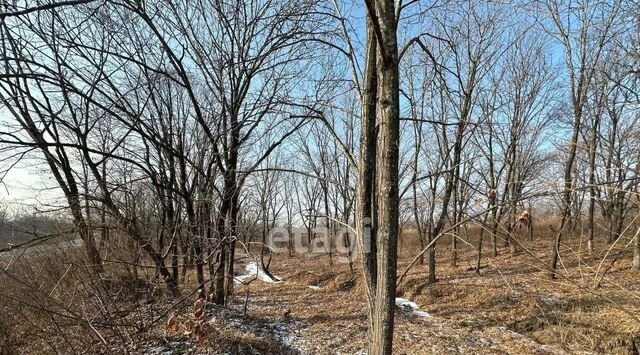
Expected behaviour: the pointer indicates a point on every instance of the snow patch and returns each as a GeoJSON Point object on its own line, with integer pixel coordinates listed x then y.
{"type": "Point", "coordinates": [282, 334]}
{"type": "Point", "coordinates": [172, 347]}
{"type": "Point", "coordinates": [253, 271]}
{"type": "Point", "coordinates": [316, 288]}
{"type": "Point", "coordinates": [422, 314]}
{"type": "Point", "coordinates": [405, 304]}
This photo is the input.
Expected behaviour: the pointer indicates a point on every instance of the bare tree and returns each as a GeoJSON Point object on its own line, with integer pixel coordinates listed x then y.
{"type": "Point", "coordinates": [583, 50]}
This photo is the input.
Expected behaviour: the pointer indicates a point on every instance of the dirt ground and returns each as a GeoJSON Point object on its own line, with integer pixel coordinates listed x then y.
{"type": "Point", "coordinates": [510, 307]}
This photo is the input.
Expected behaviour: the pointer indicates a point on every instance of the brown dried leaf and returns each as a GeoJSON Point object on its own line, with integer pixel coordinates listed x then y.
{"type": "Point", "coordinates": [174, 323]}
{"type": "Point", "coordinates": [200, 314]}
{"type": "Point", "coordinates": [199, 304]}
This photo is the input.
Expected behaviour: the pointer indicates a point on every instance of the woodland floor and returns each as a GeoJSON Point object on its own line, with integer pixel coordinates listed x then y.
{"type": "Point", "coordinates": [511, 307]}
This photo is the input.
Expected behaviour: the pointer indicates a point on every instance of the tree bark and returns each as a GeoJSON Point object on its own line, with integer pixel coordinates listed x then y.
{"type": "Point", "coordinates": [387, 181]}
{"type": "Point", "coordinates": [365, 206]}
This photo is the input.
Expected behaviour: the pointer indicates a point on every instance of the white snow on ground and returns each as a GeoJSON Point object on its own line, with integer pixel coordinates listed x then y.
{"type": "Point", "coordinates": [172, 347]}
{"type": "Point", "coordinates": [287, 333]}
{"type": "Point", "coordinates": [282, 333]}
{"type": "Point", "coordinates": [422, 314]}
{"type": "Point", "coordinates": [406, 304]}
{"type": "Point", "coordinates": [315, 288]}
{"type": "Point", "coordinates": [252, 270]}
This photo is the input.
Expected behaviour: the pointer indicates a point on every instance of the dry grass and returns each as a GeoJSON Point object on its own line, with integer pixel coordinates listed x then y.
{"type": "Point", "coordinates": [52, 303]}
{"type": "Point", "coordinates": [511, 307]}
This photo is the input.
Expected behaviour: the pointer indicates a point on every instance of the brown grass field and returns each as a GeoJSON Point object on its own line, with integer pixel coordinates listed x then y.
{"type": "Point", "coordinates": [510, 307]}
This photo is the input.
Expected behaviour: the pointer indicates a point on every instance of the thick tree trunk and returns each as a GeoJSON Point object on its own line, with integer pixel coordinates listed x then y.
{"type": "Point", "coordinates": [221, 227]}
{"type": "Point", "coordinates": [227, 216]}
{"type": "Point", "coordinates": [387, 184]}
{"type": "Point", "coordinates": [365, 204]}
{"type": "Point", "coordinates": [379, 248]}
{"type": "Point", "coordinates": [367, 166]}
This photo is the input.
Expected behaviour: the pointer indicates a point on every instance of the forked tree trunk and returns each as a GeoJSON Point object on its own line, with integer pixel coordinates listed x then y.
{"type": "Point", "coordinates": [379, 249]}
{"type": "Point", "coordinates": [226, 218]}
